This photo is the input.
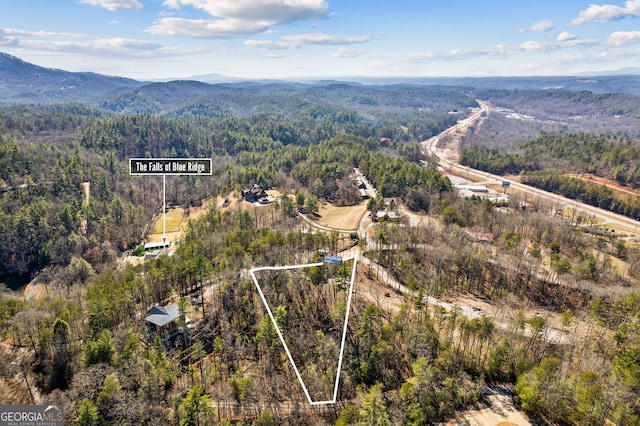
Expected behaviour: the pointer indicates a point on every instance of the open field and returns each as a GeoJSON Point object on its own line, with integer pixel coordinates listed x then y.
{"type": "Point", "coordinates": [341, 217]}
{"type": "Point", "coordinates": [174, 217]}
{"type": "Point", "coordinates": [177, 219]}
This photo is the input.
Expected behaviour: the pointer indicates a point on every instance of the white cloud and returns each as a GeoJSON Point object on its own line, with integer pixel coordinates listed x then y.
{"type": "Point", "coordinates": [545, 46]}
{"type": "Point", "coordinates": [607, 12]}
{"type": "Point", "coordinates": [422, 57]}
{"type": "Point", "coordinates": [620, 38]}
{"type": "Point", "coordinates": [347, 53]}
{"type": "Point", "coordinates": [540, 27]}
{"type": "Point", "coordinates": [536, 46]}
{"type": "Point", "coordinates": [299, 40]}
{"type": "Point", "coordinates": [457, 54]}
{"type": "Point", "coordinates": [114, 5]}
{"type": "Point", "coordinates": [498, 51]}
{"type": "Point", "coordinates": [76, 43]}
{"type": "Point", "coordinates": [591, 59]}
{"type": "Point", "coordinates": [16, 32]}
{"type": "Point", "coordinates": [268, 44]}
{"type": "Point", "coordinates": [618, 54]}
{"type": "Point", "coordinates": [207, 28]}
{"type": "Point", "coordinates": [566, 36]}
{"type": "Point", "coordinates": [319, 38]}
{"type": "Point", "coordinates": [118, 44]}
{"type": "Point", "coordinates": [274, 11]}
{"type": "Point", "coordinates": [237, 18]}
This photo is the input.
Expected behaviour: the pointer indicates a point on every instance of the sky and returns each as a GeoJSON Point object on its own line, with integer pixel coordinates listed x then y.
{"type": "Point", "coordinates": [295, 39]}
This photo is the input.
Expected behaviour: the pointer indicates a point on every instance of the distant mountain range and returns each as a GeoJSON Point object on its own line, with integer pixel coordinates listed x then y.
{"type": "Point", "coordinates": [23, 83]}
{"type": "Point", "coordinates": [629, 84]}
{"type": "Point", "coordinates": [211, 78]}
{"type": "Point", "coordinates": [621, 71]}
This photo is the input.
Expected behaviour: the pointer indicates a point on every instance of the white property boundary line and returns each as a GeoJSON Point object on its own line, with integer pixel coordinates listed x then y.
{"type": "Point", "coordinates": [286, 348]}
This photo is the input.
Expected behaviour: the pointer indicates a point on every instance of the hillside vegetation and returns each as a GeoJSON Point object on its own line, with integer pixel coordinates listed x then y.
{"type": "Point", "coordinates": [562, 322]}
{"type": "Point", "coordinates": [545, 161]}
{"type": "Point", "coordinates": [47, 152]}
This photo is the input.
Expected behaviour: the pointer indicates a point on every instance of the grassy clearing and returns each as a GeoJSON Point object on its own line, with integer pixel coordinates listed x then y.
{"type": "Point", "coordinates": [174, 217]}
{"type": "Point", "coordinates": [341, 217]}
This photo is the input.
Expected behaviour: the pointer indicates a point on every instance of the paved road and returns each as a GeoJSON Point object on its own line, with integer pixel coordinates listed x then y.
{"type": "Point", "coordinates": [430, 147]}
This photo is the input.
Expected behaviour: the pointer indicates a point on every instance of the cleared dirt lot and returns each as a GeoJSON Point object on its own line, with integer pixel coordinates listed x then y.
{"type": "Point", "coordinates": [498, 410]}
{"type": "Point", "coordinates": [370, 290]}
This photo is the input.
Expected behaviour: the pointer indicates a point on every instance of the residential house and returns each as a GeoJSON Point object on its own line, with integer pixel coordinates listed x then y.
{"type": "Point", "coordinates": [254, 193]}
{"type": "Point", "coordinates": [164, 322]}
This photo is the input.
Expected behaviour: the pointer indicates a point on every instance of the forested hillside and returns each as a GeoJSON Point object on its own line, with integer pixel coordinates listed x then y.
{"type": "Point", "coordinates": [25, 83]}
{"type": "Point", "coordinates": [573, 107]}
{"type": "Point", "coordinates": [48, 152]}
{"type": "Point", "coordinates": [629, 83]}
{"type": "Point", "coordinates": [413, 364]}
{"type": "Point", "coordinates": [547, 161]}
{"type": "Point", "coordinates": [538, 306]}
{"type": "Point", "coordinates": [615, 157]}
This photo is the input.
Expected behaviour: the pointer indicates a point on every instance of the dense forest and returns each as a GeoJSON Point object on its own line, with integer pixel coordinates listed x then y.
{"type": "Point", "coordinates": [415, 365]}
{"type": "Point", "coordinates": [49, 152]}
{"type": "Point", "coordinates": [562, 333]}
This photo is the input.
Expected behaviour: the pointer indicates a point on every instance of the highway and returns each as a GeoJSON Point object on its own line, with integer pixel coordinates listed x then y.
{"type": "Point", "coordinates": [430, 148]}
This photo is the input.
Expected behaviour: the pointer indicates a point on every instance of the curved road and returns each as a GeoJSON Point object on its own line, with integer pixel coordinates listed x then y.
{"type": "Point", "coordinates": [430, 147]}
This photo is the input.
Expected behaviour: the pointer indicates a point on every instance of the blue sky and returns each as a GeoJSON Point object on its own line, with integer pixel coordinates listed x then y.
{"type": "Point", "coordinates": [155, 39]}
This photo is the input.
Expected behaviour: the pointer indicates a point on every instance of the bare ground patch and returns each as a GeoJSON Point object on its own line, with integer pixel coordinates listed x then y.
{"type": "Point", "coordinates": [619, 190]}
{"type": "Point", "coordinates": [370, 290]}
{"type": "Point", "coordinates": [498, 409]}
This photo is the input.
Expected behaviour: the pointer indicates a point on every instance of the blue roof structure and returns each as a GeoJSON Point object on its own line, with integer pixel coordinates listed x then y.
{"type": "Point", "coordinates": [332, 259]}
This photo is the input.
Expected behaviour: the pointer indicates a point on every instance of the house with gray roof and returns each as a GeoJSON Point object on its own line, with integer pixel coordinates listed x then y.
{"type": "Point", "coordinates": [163, 322]}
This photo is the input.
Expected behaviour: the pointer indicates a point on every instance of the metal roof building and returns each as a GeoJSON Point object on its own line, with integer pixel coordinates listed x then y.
{"type": "Point", "coordinates": [160, 316]}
